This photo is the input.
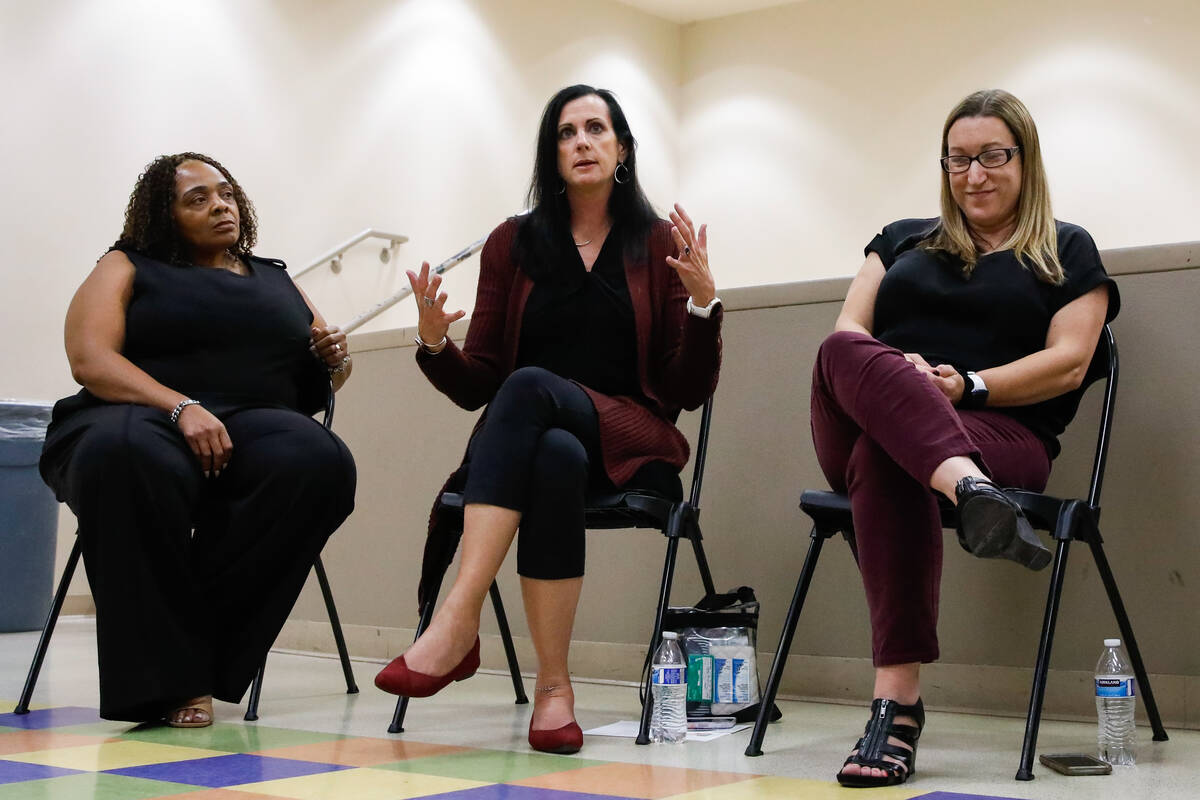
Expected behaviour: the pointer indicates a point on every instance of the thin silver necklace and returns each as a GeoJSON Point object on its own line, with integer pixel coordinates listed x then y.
{"type": "Point", "coordinates": [581, 244]}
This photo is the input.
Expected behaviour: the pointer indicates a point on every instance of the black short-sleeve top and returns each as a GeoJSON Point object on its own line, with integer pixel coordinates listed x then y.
{"type": "Point", "coordinates": [225, 339]}
{"type": "Point", "coordinates": [579, 323]}
{"type": "Point", "coordinates": [999, 314]}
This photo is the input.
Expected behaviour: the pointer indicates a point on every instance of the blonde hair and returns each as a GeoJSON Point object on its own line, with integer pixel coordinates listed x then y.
{"type": "Point", "coordinates": [1035, 239]}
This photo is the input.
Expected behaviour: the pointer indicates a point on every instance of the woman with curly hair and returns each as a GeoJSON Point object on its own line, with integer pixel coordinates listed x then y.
{"type": "Point", "coordinates": [203, 489]}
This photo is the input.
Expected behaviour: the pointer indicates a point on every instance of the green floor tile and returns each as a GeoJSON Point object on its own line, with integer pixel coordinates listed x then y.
{"type": "Point", "coordinates": [229, 737]}
{"type": "Point", "coordinates": [95, 786]}
{"type": "Point", "coordinates": [9, 730]}
{"type": "Point", "coordinates": [497, 766]}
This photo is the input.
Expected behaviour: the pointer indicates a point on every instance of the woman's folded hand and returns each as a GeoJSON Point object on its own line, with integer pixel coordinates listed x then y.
{"type": "Point", "coordinates": [207, 437]}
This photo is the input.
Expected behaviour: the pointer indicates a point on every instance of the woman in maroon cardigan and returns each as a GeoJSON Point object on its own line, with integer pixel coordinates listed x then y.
{"type": "Point", "coordinates": [595, 322]}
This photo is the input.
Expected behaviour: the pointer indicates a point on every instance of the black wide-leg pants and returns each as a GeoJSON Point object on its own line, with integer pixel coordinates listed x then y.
{"type": "Point", "coordinates": [193, 577]}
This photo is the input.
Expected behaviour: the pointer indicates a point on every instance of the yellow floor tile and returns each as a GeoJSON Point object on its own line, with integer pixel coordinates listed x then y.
{"type": "Point", "coordinates": [360, 784]}
{"type": "Point", "coordinates": [634, 780]}
{"type": "Point", "coordinates": [792, 788]}
{"type": "Point", "coordinates": [112, 755]}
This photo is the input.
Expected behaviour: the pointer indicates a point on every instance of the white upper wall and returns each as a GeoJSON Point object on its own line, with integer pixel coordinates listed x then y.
{"type": "Point", "coordinates": [414, 116]}
{"type": "Point", "coordinates": [796, 132]}
{"type": "Point", "coordinates": [806, 128]}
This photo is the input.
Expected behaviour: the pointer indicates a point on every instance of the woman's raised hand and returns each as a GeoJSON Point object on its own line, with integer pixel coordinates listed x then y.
{"type": "Point", "coordinates": [207, 438]}
{"type": "Point", "coordinates": [432, 320]}
{"type": "Point", "coordinates": [692, 264]}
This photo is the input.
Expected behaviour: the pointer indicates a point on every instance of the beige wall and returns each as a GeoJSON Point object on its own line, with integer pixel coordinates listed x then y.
{"type": "Point", "coordinates": [806, 128]}
{"type": "Point", "coordinates": [797, 131]}
{"type": "Point", "coordinates": [760, 457]}
{"type": "Point", "coordinates": [416, 116]}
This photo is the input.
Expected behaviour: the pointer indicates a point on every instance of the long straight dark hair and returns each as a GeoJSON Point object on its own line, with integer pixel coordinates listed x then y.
{"type": "Point", "coordinates": [550, 216]}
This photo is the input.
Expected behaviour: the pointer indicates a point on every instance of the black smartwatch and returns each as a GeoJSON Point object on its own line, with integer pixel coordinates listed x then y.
{"type": "Point", "coordinates": [975, 391]}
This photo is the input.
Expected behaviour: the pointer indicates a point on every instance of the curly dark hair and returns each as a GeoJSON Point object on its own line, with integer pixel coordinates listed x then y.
{"type": "Point", "coordinates": [150, 226]}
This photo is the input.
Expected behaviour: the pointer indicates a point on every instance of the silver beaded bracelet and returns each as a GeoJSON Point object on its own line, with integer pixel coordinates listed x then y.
{"type": "Point", "coordinates": [340, 368]}
{"type": "Point", "coordinates": [184, 403]}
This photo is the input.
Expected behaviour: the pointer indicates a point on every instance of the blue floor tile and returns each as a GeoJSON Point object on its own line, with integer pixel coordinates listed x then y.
{"type": "Point", "coordinates": [504, 791]}
{"type": "Point", "coordinates": [959, 796]}
{"type": "Point", "coordinates": [230, 770]}
{"type": "Point", "coordinates": [16, 771]}
{"type": "Point", "coordinates": [50, 718]}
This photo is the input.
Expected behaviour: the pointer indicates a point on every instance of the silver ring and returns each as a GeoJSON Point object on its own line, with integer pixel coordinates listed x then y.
{"type": "Point", "coordinates": [687, 251]}
{"type": "Point", "coordinates": [428, 301]}
{"type": "Point", "coordinates": [337, 348]}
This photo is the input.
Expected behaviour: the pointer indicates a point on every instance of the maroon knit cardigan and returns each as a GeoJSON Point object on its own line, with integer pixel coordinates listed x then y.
{"type": "Point", "coordinates": [679, 359]}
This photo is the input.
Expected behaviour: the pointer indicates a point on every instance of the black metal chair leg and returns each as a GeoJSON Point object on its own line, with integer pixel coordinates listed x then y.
{"type": "Point", "coordinates": [664, 597]}
{"type": "Point", "coordinates": [39, 655]}
{"type": "Point", "coordinates": [1139, 669]}
{"type": "Point", "coordinates": [1038, 694]}
{"type": "Point", "coordinates": [701, 559]}
{"type": "Point", "coordinates": [336, 624]}
{"type": "Point", "coordinates": [397, 725]}
{"type": "Point", "coordinates": [255, 694]}
{"type": "Point", "coordinates": [510, 652]}
{"type": "Point", "coordinates": [767, 701]}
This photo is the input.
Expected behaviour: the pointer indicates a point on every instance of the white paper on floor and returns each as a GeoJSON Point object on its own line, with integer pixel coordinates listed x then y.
{"type": "Point", "coordinates": [628, 729]}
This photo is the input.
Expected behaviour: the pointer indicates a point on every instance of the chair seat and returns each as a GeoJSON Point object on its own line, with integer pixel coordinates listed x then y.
{"type": "Point", "coordinates": [830, 511]}
{"type": "Point", "coordinates": [610, 511]}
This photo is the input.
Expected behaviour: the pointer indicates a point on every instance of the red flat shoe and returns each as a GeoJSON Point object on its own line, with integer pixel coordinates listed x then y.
{"type": "Point", "coordinates": [561, 741]}
{"type": "Point", "coordinates": [397, 678]}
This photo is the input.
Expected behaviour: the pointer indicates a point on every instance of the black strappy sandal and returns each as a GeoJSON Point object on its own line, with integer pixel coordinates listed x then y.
{"type": "Point", "coordinates": [874, 750]}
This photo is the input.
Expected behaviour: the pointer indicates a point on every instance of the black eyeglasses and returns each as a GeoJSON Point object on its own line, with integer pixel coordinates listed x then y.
{"type": "Point", "coordinates": [988, 159]}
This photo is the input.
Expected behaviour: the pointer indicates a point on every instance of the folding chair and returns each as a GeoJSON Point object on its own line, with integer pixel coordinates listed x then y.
{"type": "Point", "coordinates": [617, 510]}
{"type": "Point", "coordinates": [1065, 520]}
{"type": "Point", "coordinates": [64, 583]}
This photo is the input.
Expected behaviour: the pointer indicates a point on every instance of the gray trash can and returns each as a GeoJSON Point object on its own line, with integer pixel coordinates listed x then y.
{"type": "Point", "coordinates": [28, 518]}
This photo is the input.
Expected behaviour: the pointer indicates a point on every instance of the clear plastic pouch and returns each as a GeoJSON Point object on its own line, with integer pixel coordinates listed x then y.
{"type": "Point", "coordinates": [718, 637]}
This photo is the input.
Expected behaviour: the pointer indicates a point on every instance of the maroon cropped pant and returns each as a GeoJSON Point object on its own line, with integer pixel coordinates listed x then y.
{"type": "Point", "coordinates": [880, 429]}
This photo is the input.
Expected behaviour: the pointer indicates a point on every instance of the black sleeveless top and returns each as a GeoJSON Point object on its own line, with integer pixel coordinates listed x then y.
{"type": "Point", "coordinates": [227, 340]}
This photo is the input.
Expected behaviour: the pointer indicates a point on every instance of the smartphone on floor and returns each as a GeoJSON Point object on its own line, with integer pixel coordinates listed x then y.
{"type": "Point", "coordinates": [1075, 764]}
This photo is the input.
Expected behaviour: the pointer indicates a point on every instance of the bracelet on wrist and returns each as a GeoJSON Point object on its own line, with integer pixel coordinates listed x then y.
{"type": "Point", "coordinates": [341, 367]}
{"type": "Point", "coordinates": [432, 349]}
{"type": "Point", "coordinates": [184, 403]}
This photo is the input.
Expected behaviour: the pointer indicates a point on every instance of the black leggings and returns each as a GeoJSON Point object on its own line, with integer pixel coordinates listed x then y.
{"type": "Point", "coordinates": [533, 455]}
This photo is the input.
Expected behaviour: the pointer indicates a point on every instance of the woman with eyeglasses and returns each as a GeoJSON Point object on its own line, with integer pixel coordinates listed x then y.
{"type": "Point", "coordinates": [956, 362]}
{"type": "Point", "coordinates": [595, 322]}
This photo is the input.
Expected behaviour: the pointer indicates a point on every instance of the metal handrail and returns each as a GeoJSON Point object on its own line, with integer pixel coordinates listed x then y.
{"type": "Point", "coordinates": [386, 303]}
{"type": "Point", "coordinates": [334, 256]}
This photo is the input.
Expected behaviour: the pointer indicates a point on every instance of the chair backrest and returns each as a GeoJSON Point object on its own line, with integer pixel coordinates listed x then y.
{"type": "Point", "coordinates": [1106, 366]}
{"type": "Point", "coordinates": [701, 452]}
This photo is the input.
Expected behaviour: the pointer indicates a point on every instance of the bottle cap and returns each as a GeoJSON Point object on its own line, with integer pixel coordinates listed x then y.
{"type": "Point", "coordinates": [674, 635]}
{"type": "Point", "coordinates": [1112, 642]}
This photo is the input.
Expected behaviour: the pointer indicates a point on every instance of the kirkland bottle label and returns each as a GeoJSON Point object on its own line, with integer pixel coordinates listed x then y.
{"type": "Point", "coordinates": [669, 675]}
{"type": "Point", "coordinates": [1115, 687]}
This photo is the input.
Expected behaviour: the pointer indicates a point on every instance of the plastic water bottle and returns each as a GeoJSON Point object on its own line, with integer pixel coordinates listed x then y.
{"type": "Point", "coordinates": [1116, 690]}
{"type": "Point", "coordinates": [668, 682]}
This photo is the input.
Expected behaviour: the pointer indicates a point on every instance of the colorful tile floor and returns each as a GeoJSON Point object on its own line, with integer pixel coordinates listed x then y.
{"type": "Point", "coordinates": [68, 752]}
{"type": "Point", "coordinates": [315, 741]}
